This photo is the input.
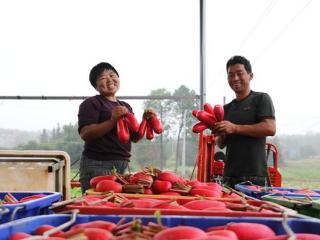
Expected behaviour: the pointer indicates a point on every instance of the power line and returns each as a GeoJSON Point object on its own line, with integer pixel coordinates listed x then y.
{"type": "Point", "coordinates": [286, 27]}
{"type": "Point", "coordinates": [261, 18]}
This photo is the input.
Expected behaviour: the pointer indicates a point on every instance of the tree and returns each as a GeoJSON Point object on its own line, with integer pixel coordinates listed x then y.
{"type": "Point", "coordinates": [162, 107]}
{"type": "Point", "coordinates": [181, 107]}
{"type": "Point", "coordinates": [44, 137]}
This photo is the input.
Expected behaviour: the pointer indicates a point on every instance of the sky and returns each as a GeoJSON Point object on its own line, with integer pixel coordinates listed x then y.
{"type": "Point", "coordinates": [47, 48]}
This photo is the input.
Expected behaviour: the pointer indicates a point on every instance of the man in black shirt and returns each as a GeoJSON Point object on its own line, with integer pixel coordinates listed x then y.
{"type": "Point", "coordinates": [249, 119]}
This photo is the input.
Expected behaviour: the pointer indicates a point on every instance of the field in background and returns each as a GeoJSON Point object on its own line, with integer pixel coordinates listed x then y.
{"type": "Point", "coordinates": [301, 173]}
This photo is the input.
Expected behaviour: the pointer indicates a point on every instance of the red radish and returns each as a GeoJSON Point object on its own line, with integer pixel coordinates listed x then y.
{"type": "Point", "coordinates": [94, 181]}
{"type": "Point", "coordinates": [96, 233]}
{"type": "Point", "coordinates": [203, 204]}
{"type": "Point", "coordinates": [250, 231]}
{"type": "Point", "coordinates": [171, 193]}
{"type": "Point", "coordinates": [199, 127]}
{"type": "Point", "coordinates": [32, 197]}
{"type": "Point", "coordinates": [225, 233]}
{"type": "Point", "coordinates": [205, 192]}
{"type": "Point", "coordinates": [168, 176]}
{"type": "Point", "coordinates": [194, 183]}
{"type": "Point", "coordinates": [133, 123]}
{"type": "Point", "coordinates": [122, 130]}
{"type": "Point", "coordinates": [218, 112]}
{"type": "Point", "coordinates": [216, 187]}
{"type": "Point", "coordinates": [147, 191]}
{"type": "Point", "coordinates": [180, 232]}
{"type": "Point", "coordinates": [19, 235]}
{"type": "Point", "coordinates": [106, 225]}
{"type": "Point", "coordinates": [142, 128]}
{"type": "Point", "coordinates": [89, 234]}
{"type": "Point", "coordinates": [156, 124]}
{"type": "Point", "coordinates": [207, 118]}
{"type": "Point", "coordinates": [230, 195]}
{"type": "Point", "coordinates": [108, 185]}
{"type": "Point", "coordinates": [160, 186]}
{"type": "Point", "coordinates": [46, 227]}
{"type": "Point", "coordinates": [146, 202]}
{"type": "Point", "coordinates": [167, 205]}
{"type": "Point", "coordinates": [149, 131]}
{"type": "Point", "coordinates": [195, 112]}
{"type": "Point", "coordinates": [214, 209]}
{"type": "Point", "coordinates": [208, 108]}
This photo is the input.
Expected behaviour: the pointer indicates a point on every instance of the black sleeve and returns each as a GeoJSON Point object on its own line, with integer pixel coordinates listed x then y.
{"type": "Point", "coordinates": [265, 107]}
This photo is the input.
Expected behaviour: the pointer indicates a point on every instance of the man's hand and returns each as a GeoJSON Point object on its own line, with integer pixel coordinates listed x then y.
{"type": "Point", "coordinates": [224, 127]}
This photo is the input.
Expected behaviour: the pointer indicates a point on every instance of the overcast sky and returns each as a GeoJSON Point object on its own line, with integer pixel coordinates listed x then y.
{"type": "Point", "coordinates": [48, 48]}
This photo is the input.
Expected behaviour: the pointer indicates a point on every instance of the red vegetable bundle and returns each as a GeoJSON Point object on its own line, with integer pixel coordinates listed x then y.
{"type": "Point", "coordinates": [207, 117]}
{"type": "Point", "coordinates": [149, 126]}
{"type": "Point", "coordinates": [125, 124]}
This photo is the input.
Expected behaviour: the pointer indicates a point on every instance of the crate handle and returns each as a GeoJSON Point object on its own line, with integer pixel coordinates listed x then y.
{"type": "Point", "coordinates": [74, 214]}
{"type": "Point", "coordinates": [14, 212]}
{"type": "Point", "coordinates": [287, 228]}
{"type": "Point", "coordinates": [3, 210]}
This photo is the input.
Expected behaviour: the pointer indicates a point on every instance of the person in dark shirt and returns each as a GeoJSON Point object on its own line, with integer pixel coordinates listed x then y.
{"type": "Point", "coordinates": [249, 119]}
{"type": "Point", "coordinates": [97, 121]}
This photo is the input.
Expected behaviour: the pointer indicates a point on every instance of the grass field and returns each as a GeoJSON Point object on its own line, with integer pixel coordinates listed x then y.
{"type": "Point", "coordinates": [301, 173]}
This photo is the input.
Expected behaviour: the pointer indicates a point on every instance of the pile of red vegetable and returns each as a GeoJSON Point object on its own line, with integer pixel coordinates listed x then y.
{"type": "Point", "coordinates": [207, 117]}
{"type": "Point", "coordinates": [155, 181]}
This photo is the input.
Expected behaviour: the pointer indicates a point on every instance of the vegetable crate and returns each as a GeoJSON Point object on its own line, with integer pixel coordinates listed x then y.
{"type": "Point", "coordinates": [65, 221]}
{"type": "Point", "coordinates": [132, 204]}
{"type": "Point", "coordinates": [33, 203]}
{"type": "Point", "coordinates": [258, 191]}
{"type": "Point", "coordinates": [309, 206]}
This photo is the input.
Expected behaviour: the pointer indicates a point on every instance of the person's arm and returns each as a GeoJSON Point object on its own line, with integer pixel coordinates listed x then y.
{"type": "Point", "coordinates": [94, 131]}
{"type": "Point", "coordinates": [267, 127]}
{"type": "Point", "coordinates": [98, 130]}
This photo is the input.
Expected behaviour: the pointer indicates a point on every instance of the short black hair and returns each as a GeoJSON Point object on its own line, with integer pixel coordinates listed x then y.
{"type": "Point", "coordinates": [97, 70]}
{"type": "Point", "coordinates": [240, 60]}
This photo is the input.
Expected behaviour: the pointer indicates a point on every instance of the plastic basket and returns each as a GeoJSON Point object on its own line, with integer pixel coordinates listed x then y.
{"type": "Point", "coordinates": [307, 206]}
{"type": "Point", "coordinates": [30, 208]}
{"type": "Point", "coordinates": [29, 224]}
{"type": "Point", "coordinates": [259, 208]}
{"type": "Point", "coordinates": [286, 191]}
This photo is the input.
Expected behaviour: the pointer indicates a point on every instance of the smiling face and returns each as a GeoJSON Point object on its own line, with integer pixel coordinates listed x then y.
{"type": "Point", "coordinates": [239, 80]}
{"type": "Point", "coordinates": [108, 83]}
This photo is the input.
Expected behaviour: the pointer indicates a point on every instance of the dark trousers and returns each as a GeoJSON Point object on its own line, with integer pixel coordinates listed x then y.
{"type": "Point", "coordinates": [90, 168]}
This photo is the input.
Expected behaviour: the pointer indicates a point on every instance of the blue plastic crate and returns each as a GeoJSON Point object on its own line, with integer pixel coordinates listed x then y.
{"type": "Point", "coordinates": [258, 194]}
{"type": "Point", "coordinates": [30, 208]}
{"type": "Point", "coordinates": [28, 225]}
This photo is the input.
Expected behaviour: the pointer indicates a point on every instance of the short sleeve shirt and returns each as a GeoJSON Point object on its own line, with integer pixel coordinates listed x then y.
{"type": "Point", "coordinates": [246, 156]}
{"type": "Point", "coordinates": [95, 110]}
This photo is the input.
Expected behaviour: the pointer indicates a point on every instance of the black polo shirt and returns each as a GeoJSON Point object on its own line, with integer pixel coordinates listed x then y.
{"type": "Point", "coordinates": [246, 156]}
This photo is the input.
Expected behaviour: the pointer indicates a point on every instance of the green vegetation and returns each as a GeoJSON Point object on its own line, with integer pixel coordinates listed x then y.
{"type": "Point", "coordinates": [301, 173]}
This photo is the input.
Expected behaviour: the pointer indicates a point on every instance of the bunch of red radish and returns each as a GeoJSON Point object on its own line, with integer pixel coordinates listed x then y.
{"type": "Point", "coordinates": [148, 126]}
{"type": "Point", "coordinates": [207, 117]}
